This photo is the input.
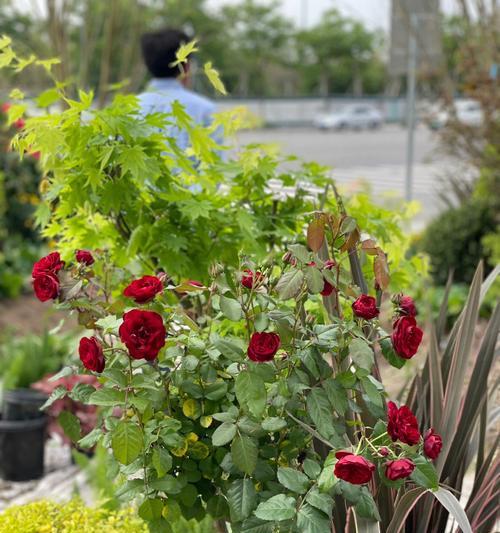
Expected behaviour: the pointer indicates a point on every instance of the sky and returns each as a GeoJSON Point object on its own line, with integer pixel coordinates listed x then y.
{"type": "Point", "coordinates": [374, 13]}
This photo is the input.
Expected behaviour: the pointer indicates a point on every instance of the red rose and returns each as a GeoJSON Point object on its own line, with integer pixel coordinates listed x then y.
{"type": "Point", "coordinates": [19, 124]}
{"type": "Point", "coordinates": [263, 346]}
{"type": "Point", "coordinates": [143, 333]}
{"type": "Point", "coordinates": [250, 279]}
{"type": "Point", "coordinates": [91, 354]}
{"type": "Point", "coordinates": [46, 286]}
{"type": "Point", "coordinates": [402, 424]}
{"type": "Point", "coordinates": [144, 289]}
{"type": "Point", "coordinates": [327, 289]}
{"type": "Point", "coordinates": [5, 107]}
{"type": "Point", "coordinates": [407, 306]}
{"type": "Point", "coordinates": [50, 264]}
{"type": "Point", "coordinates": [84, 257]}
{"type": "Point", "coordinates": [432, 444]}
{"type": "Point", "coordinates": [353, 468]}
{"type": "Point", "coordinates": [406, 336]}
{"type": "Point", "coordinates": [365, 307]}
{"type": "Point", "coordinates": [398, 469]}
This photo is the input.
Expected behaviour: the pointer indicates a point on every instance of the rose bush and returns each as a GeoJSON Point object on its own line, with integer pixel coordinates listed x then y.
{"type": "Point", "coordinates": [235, 399]}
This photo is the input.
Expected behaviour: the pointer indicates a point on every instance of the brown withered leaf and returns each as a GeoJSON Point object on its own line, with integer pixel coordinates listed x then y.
{"type": "Point", "coordinates": [370, 247]}
{"type": "Point", "coordinates": [334, 222]}
{"type": "Point", "coordinates": [351, 240]}
{"type": "Point", "coordinates": [381, 270]}
{"type": "Point", "coordinates": [316, 233]}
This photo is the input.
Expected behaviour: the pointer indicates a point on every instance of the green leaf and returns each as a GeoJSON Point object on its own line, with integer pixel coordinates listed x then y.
{"type": "Point", "coordinates": [107, 397]}
{"type": "Point", "coordinates": [452, 505]}
{"type": "Point", "coordinates": [361, 354]}
{"type": "Point", "coordinates": [256, 525]}
{"type": "Point", "coordinates": [64, 372]}
{"type": "Point", "coordinates": [168, 484]}
{"type": "Point", "coordinates": [162, 461]}
{"type": "Point", "coordinates": [314, 280]}
{"type": "Point", "coordinates": [311, 468]}
{"type": "Point", "coordinates": [320, 411]}
{"type": "Point", "coordinates": [390, 355]}
{"type": "Point", "coordinates": [214, 78]}
{"type": "Point", "coordinates": [244, 453]}
{"type": "Point", "coordinates": [277, 508]}
{"type": "Point", "coordinates": [242, 498]}
{"type": "Point", "coordinates": [91, 439]}
{"type": "Point", "coordinates": [293, 480]}
{"type": "Point", "coordinates": [425, 474]}
{"type": "Point", "coordinates": [300, 252]}
{"type": "Point", "coordinates": [290, 283]}
{"type": "Point", "coordinates": [310, 520]}
{"type": "Point", "coordinates": [70, 425]}
{"type": "Point", "coordinates": [251, 392]}
{"type": "Point", "coordinates": [374, 395]}
{"type": "Point", "coordinates": [215, 391]}
{"type": "Point", "coordinates": [261, 322]}
{"type": "Point", "coordinates": [126, 442]}
{"type": "Point", "coordinates": [273, 423]}
{"type": "Point", "coordinates": [109, 324]}
{"type": "Point", "coordinates": [150, 509]}
{"type": "Point", "coordinates": [132, 160]}
{"type": "Point", "coordinates": [58, 393]}
{"type": "Point", "coordinates": [337, 395]}
{"type": "Point", "coordinates": [327, 480]}
{"type": "Point", "coordinates": [323, 502]}
{"type": "Point", "coordinates": [231, 308]}
{"type": "Point", "coordinates": [366, 506]}
{"type": "Point", "coordinates": [223, 434]}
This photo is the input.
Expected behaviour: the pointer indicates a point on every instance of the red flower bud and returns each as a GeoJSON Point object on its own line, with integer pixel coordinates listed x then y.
{"type": "Point", "coordinates": [432, 444]}
{"type": "Point", "coordinates": [91, 354]}
{"type": "Point", "coordinates": [399, 469]}
{"type": "Point", "coordinates": [406, 337]}
{"type": "Point", "coordinates": [84, 257]}
{"type": "Point", "coordinates": [365, 307]}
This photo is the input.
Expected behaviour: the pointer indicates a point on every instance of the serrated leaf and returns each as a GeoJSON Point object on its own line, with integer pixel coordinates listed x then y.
{"type": "Point", "coordinates": [361, 354]}
{"type": "Point", "coordinates": [231, 308]}
{"type": "Point", "coordinates": [244, 453]}
{"type": "Point", "coordinates": [223, 434]}
{"type": "Point", "coordinates": [58, 393]}
{"type": "Point", "coordinates": [337, 395]}
{"type": "Point", "coordinates": [214, 78]}
{"type": "Point", "coordinates": [251, 392]}
{"type": "Point", "coordinates": [424, 474]}
{"type": "Point", "coordinates": [66, 371]}
{"type": "Point", "coordinates": [91, 439]}
{"type": "Point", "coordinates": [109, 324]}
{"type": "Point", "coordinates": [366, 506]}
{"type": "Point", "coordinates": [290, 283]}
{"type": "Point", "coordinates": [277, 508]}
{"type": "Point", "coordinates": [311, 468]}
{"type": "Point", "coordinates": [310, 520]}
{"type": "Point", "coordinates": [241, 497]}
{"type": "Point", "coordinates": [321, 412]}
{"type": "Point", "coordinates": [293, 480]}
{"type": "Point", "coordinates": [327, 480]}
{"type": "Point", "coordinates": [300, 252]}
{"type": "Point", "coordinates": [256, 525]}
{"type": "Point", "coordinates": [314, 280]}
{"type": "Point", "coordinates": [107, 397]}
{"type": "Point", "coordinates": [323, 502]}
{"type": "Point", "coordinates": [70, 425]}
{"type": "Point", "coordinates": [126, 442]}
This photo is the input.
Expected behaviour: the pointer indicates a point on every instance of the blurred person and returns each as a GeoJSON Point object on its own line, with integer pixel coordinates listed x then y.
{"type": "Point", "coordinates": [170, 83]}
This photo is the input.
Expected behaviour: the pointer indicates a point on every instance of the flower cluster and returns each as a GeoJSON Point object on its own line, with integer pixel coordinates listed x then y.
{"type": "Point", "coordinates": [402, 426]}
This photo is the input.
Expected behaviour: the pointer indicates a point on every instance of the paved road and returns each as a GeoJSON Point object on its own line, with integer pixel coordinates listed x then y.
{"type": "Point", "coordinates": [376, 158]}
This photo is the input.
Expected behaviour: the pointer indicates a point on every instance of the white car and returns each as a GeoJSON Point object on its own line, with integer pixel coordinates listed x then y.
{"type": "Point", "coordinates": [468, 112]}
{"type": "Point", "coordinates": [355, 117]}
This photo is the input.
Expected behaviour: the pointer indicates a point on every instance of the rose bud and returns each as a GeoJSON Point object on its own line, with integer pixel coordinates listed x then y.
{"type": "Point", "coordinates": [50, 264]}
{"type": "Point", "coordinates": [91, 354]}
{"type": "Point", "coordinates": [383, 452]}
{"type": "Point", "coordinates": [402, 424]}
{"type": "Point", "coordinates": [19, 124]}
{"type": "Point", "coordinates": [144, 289]}
{"type": "Point", "coordinates": [263, 346]}
{"type": "Point", "coordinates": [406, 337]}
{"type": "Point", "coordinates": [143, 333]}
{"type": "Point", "coordinates": [432, 444]}
{"type": "Point", "coordinates": [5, 107]}
{"type": "Point", "coordinates": [195, 283]}
{"type": "Point", "coordinates": [405, 305]}
{"type": "Point", "coordinates": [365, 307]}
{"type": "Point", "coordinates": [46, 286]}
{"type": "Point", "coordinates": [84, 257]}
{"type": "Point", "coordinates": [329, 264]}
{"type": "Point", "coordinates": [251, 280]}
{"type": "Point", "coordinates": [287, 258]}
{"type": "Point", "coordinates": [398, 469]}
{"type": "Point", "coordinates": [353, 468]}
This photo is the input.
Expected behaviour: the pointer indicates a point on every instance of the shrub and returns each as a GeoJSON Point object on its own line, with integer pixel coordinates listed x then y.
{"type": "Point", "coordinates": [454, 241]}
{"type": "Point", "coordinates": [72, 517]}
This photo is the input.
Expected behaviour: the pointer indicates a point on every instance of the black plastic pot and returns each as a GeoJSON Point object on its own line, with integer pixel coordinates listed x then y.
{"type": "Point", "coordinates": [22, 404]}
{"type": "Point", "coordinates": [22, 444]}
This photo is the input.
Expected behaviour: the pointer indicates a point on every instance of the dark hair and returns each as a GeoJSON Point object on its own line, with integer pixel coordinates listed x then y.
{"type": "Point", "coordinates": [158, 51]}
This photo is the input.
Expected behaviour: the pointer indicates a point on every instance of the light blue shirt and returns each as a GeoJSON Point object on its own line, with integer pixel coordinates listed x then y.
{"type": "Point", "coordinates": [162, 92]}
